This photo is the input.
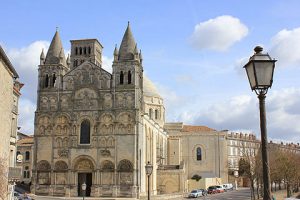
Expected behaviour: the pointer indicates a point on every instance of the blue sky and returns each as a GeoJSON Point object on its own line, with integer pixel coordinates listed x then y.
{"type": "Point", "coordinates": [193, 51]}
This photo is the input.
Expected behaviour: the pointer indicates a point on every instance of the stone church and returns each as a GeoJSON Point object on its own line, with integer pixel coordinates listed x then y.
{"type": "Point", "coordinates": [101, 128]}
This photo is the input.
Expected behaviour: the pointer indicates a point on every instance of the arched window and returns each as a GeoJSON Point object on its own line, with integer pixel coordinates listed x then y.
{"type": "Point", "coordinates": [85, 132]}
{"type": "Point", "coordinates": [27, 155]}
{"type": "Point", "coordinates": [26, 173]}
{"type": "Point", "coordinates": [156, 114]}
{"type": "Point", "coordinates": [121, 78]}
{"type": "Point", "coordinates": [47, 81]}
{"type": "Point", "coordinates": [199, 153]}
{"type": "Point", "coordinates": [80, 50]}
{"type": "Point", "coordinates": [53, 80]}
{"type": "Point", "coordinates": [150, 113]}
{"type": "Point", "coordinates": [89, 50]}
{"type": "Point", "coordinates": [84, 50]}
{"type": "Point", "coordinates": [76, 51]}
{"type": "Point", "coordinates": [129, 77]}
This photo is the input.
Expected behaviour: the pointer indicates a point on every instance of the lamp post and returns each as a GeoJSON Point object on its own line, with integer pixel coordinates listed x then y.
{"type": "Point", "coordinates": [260, 69]}
{"type": "Point", "coordinates": [149, 169]}
{"type": "Point", "coordinates": [83, 187]}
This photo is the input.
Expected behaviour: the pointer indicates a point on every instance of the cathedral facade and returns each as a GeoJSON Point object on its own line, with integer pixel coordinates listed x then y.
{"type": "Point", "coordinates": [96, 127]}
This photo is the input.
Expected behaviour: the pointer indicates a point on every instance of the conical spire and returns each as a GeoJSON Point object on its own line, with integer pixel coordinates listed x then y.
{"type": "Point", "coordinates": [116, 51]}
{"type": "Point", "coordinates": [55, 51]}
{"type": "Point", "coordinates": [68, 60]}
{"type": "Point", "coordinates": [42, 57]}
{"type": "Point", "coordinates": [126, 51]}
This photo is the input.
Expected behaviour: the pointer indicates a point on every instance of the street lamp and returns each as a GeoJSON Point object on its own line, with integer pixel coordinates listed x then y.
{"type": "Point", "coordinates": [83, 187]}
{"type": "Point", "coordinates": [260, 69]}
{"type": "Point", "coordinates": [149, 169]}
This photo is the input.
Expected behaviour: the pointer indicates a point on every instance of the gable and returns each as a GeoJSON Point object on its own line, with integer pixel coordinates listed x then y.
{"type": "Point", "coordinates": [85, 75]}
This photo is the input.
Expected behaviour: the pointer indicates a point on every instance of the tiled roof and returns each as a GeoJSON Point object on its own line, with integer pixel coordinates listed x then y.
{"type": "Point", "coordinates": [28, 141]}
{"type": "Point", "coordinates": [190, 128]}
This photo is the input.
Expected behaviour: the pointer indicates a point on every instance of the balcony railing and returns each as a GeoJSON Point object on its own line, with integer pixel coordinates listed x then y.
{"type": "Point", "coordinates": [14, 174]}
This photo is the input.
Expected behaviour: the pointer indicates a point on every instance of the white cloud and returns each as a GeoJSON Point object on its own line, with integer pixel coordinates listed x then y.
{"type": "Point", "coordinates": [285, 47]}
{"type": "Point", "coordinates": [240, 113]}
{"type": "Point", "coordinates": [26, 61]}
{"type": "Point", "coordinates": [219, 33]}
{"type": "Point", "coordinates": [107, 63]}
{"type": "Point", "coordinates": [26, 115]}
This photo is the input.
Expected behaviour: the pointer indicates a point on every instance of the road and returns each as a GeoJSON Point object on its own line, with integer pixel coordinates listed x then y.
{"type": "Point", "coordinates": [241, 194]}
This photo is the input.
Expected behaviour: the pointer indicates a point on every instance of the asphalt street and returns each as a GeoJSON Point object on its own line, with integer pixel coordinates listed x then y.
{"type": "Point", "coordinates": [241, 194]}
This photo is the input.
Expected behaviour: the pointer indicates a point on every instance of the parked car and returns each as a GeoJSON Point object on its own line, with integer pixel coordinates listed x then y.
{"type": "Point", "coordinates": [212, 190]}
{"type": "Point", "coordinates": [228, 186]}
{"type": "Point", "coordinates": [18, 196]}
{"type": "Point", "coordinates": [203, 192]}
{"type": "Point", "coordinates": [195, 193]}
{"type": "Point", "coordinates": [220, 188]}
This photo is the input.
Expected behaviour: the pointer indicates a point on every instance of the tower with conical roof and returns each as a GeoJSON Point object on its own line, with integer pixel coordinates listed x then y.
{"type": "Point", "coordinates": [52, 67]}
{"type": "Point", "coordinates": [127, 67]}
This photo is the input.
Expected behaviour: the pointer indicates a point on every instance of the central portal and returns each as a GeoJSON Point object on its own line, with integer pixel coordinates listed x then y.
{"type": "Point", "coordinates": [87, 179]}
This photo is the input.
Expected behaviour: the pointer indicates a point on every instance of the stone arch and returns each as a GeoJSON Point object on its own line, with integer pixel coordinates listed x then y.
{"type": "Point", "coordinates": [110, 142]}
{"type": "Point", "coordinates": [43, 165]}
{"type": "Point", "coordinates": [43, 172]}
{"type": "Point", "coordinates": [125, 166]}
{"type": "Point", "coordinates": [44, 103]}
{"type": "Point", "coordinates": [84, 163]}
{"type": "Point", "coordinates": [125, 169]}
{"type": "Point", "coordinates": [61, 165]}
{"type": "Point", "coordinates": [102, 142]}
{"type": "Point", "coordinates": [107, 118]}
{"type": "Point", "coordinates": [107, 166]}
{"type": "Point", "coordinates": [58, 142]}
{"type": "Point", "coordinates": [65, 142]}
{"type": "Point", "coordinates": [203, 152]}
{"type": "Point", "coordinates": [125, 117]}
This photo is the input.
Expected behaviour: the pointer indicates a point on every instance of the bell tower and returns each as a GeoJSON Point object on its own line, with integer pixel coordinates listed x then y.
{"type": "Point", "coordinates": [52, 67]}
{"type": "Point", "coordinates": [127, 67]}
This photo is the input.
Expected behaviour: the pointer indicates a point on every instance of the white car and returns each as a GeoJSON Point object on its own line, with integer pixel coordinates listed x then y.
{"type": "Point", "coordinates": [228, 186]}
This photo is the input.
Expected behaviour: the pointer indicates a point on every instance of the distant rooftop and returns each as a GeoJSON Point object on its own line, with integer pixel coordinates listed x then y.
{"type": "Point", "coordinates": [190, 128]}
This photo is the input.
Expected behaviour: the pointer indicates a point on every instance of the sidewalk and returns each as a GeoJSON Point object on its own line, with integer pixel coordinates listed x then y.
{"type": "Point", "coordinates": [281, 195]}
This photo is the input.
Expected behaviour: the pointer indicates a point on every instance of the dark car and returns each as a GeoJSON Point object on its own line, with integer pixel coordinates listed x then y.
{"type": "Point", "coordinates": [212, 190]}
{"type": "Point", "coordinates": [203, 191]}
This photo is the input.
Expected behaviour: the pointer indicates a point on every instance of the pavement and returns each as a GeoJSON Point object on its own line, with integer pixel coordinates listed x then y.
{"type": "Point", "coordinates": [241, 194]}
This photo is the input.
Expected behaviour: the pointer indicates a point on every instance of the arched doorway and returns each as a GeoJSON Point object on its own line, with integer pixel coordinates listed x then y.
{"type": "Point", "coordinates": [84, 168]}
